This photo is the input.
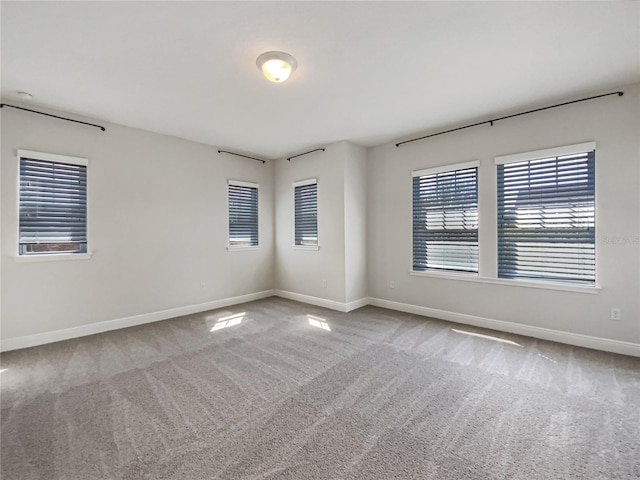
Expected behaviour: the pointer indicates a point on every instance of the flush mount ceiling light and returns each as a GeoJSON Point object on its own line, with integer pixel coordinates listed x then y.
{"type": "Point", "coordinates": [276, 66]}
{"type": "Point", "coordinates": [24, 95]}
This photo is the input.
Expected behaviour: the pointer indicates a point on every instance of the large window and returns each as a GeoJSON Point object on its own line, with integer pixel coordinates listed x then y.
{"type": "Point", "coordinates": [243, 214]}
{"type": "Point", "coordinates": [445, 218]}
{"type": "Point", "coordinates": [546, 215]}
{"type": "Point", "coordinates": [306, 212]}
{"type": "Point", "coordinates": [52, 204]}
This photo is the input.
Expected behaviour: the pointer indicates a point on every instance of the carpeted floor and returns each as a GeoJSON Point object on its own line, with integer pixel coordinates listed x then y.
{"type": "Point", "coordinates": [276, 389]}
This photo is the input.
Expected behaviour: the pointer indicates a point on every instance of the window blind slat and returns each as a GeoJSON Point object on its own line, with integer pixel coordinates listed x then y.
{"type": "Point", "coordinates": [546, 219]}
{"type": "Point", "coordinates": [445, 221]}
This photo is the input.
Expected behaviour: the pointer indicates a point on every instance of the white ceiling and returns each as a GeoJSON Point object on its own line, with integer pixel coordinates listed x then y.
{"type": "Point", "coordinates": [369, 72]}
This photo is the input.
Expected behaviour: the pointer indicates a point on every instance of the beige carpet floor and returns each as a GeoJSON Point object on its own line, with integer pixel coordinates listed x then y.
{"type": "Point", "coordinates": [275, 389]}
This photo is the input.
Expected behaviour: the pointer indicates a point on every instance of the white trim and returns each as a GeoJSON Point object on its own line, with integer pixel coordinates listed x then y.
{"type": "Point", "coordinates": [355, 304]}
{"type": "Point", "coordinates": [546, 153]}
{"type": "Point", "coordinates": [52, 257]}
{"type": "Point", "coordinates": [445, 274]}
{"type": "Point", "coordinates": [445, 168]}
{"type": "Point", "coordinates": [322, 302]}
{"type": "Point", "coordinates": [52, 157]}
{"type": "Point", "coordinates": [587, 341]}
{"type": "Point", "coordinates": [232, 248]}
{"type": "Point", "coordinates": [302, 183]}
{"type": "Point", "coordinates": [512, 283]}
{"type": "Point", "coordinates": [93, 328]}
{"type": "Point", "coordinates": [241, 183]}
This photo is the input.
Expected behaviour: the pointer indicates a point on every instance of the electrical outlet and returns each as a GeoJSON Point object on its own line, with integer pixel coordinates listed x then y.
{"type": "Point", "coordinates": [615, 314]}
{"type": "Point", "coordinates": [392, 284]}
{"type": "Point", "coordinates": [324, 284]}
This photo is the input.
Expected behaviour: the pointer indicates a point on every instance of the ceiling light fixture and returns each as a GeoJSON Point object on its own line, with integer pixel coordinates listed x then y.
{"type": "Point", "coordinates": [24, 95]}
{"type": "Point", "coordinates": [276, 66]}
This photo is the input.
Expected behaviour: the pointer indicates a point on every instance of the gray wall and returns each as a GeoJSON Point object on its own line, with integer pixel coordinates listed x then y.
{"type": "Point", "coordinates": [340, 260]}
{"type": "Point", "coordinates": [355, 223]}
{"type": "Point", "coordinates": [158, 225]}
{"type": "Point", "coordinates": [614, 123]}
{"type": "Point", "coordinates": [157, 228]}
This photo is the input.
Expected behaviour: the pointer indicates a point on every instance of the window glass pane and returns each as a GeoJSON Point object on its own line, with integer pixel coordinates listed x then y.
{"type": "Point", "coordinates": [546, 219]}
{"type": "Point", "coordinates": [445, 221]}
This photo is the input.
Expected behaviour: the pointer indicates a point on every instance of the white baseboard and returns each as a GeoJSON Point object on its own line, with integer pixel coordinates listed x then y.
{"type": "Point", "coordinates": [361, 302]}
{"type": "Point", "coordinates": [93, 328]}
{"type": "Point", "coordinates": [597, 343]}
{"type": "Point", "coordinates": [322, 302]}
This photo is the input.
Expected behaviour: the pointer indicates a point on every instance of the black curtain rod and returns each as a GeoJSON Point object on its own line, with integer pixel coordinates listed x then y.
{"type": "Point", "coordinates": [54, 116]}
{"type": "Point", "coordinates": [240, 155]}
{"type": "Point", "coordinates": [509, 116]}
{"type": "Point", "coordinates": [305, 153]}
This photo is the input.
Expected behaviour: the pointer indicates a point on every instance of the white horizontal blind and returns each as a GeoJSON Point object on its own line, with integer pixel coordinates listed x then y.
{"type": "Point", "coordinates": [546, 219]}
{"type": "Point", "coordinates": [243, 214]}
{"type": "Point", "coordinates": [53, 207]}
{"type": "Point", "coordinates": [445, 220]}
{"type": "Point", "coordinates": [306, 213]}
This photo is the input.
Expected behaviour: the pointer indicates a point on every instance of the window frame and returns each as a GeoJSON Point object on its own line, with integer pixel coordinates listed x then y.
{"type": "Point", "coordinates": [549, 153]}
{"type": "Point", "coordinates": [48, 256]}
{"type": "Point", "coordinates": [242, 183]}
{"type": "Point", "coordinates": [443, 271]}
{"type": "Point", "coordinates": [302, 183]}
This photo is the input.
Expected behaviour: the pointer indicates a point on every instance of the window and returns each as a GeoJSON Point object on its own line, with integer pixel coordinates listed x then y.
{"type": "Point", "coordinates": [52, 204]}
{"type": "Point", "coordinates": [243, 214]}
{"type": "Point", "coordinates": [445, 218]}
{"type": "Point", "coordinates": [546, 215]}
{"type": "Point", "coordinates": [306, 212]}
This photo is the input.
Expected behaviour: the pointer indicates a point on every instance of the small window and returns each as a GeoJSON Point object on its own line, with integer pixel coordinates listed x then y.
{"type": "Point", "coordinates": [546, 215]}
{"type": "Point", "coordinates": [243, 214]}
{"type": "Point", "coordinates": [306, 212]}
{"type": "Point", "coordinates": [52, 204]}
{"type": "Point", "coordinates": [445, 218]}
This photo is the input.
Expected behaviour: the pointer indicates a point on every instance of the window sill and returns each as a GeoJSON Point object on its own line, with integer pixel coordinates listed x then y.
{"type": "Point", "coordinates": [233, 248]}
{"type": "Point", "coordinates": [513, 283]}
{"type": "Point", "coordinates": [306, 247]}
{"type": "Point", "coordinates": [57, 257]}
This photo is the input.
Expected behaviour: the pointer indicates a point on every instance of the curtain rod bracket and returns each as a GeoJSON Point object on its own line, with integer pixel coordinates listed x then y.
{"type": "Point", "coordinates": [240, 155]}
